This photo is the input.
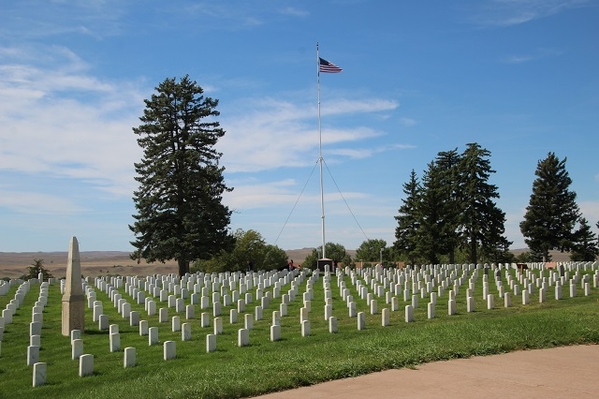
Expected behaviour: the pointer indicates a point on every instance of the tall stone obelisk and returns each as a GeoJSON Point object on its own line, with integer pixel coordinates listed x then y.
{"type": "Point", "coordinates": [73, 311]}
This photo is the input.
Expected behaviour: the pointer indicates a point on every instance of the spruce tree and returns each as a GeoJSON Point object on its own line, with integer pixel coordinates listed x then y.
{"type": "Point", "coordinates": [552, 211]}
{"type": "Point", "coordinates": [482, 223]}
{"type": "Point", "coordinates": [585, 243]}
{"type": "Point", "coordinates": [430, 216]}
{"type": "Point", "coordinates": [446, 165]}
{"type": "Point", "coordinates": [180, 214]}
{"type": "Point", "coordinates": [408, 221]}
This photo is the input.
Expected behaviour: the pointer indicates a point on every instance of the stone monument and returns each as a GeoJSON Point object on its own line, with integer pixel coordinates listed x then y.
{"type": "Point", "coordinates": [73, 311]}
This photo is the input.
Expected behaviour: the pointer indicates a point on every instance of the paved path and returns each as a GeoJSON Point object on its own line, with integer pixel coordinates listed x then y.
{"type": "Point", "coordinates": [558, 373]}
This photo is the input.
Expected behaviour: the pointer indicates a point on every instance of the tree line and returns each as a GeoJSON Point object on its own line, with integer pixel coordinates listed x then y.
{"type": "Point", "coordinates": [448, 215]}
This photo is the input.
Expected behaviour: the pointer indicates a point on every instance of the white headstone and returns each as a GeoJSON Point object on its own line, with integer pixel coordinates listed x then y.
{"type": "Point", "coordinates": [169, 350]}
{"type": "Point", "coordinates": [86, 365]}
{"type": "Point", "coordinates": [39, 374]}
{"type": "Point", "coordinates": [76, 348]}
{"type": "Point", "coordinates": [129, 357]}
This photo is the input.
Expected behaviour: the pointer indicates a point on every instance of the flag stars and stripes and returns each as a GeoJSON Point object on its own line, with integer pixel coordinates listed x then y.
{"type": "Point", "coordinates": [328, 67]}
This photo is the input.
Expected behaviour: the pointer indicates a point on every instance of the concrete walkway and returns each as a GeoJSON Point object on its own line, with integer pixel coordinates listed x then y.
{"type": "Point", "coordinates": [558, 373]}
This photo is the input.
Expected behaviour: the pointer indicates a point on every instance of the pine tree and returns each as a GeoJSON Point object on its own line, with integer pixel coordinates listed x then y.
{"type": "Point", "coordinates": [430, 216]}
{"type": "Point", "coordinates": [482, 222]}
{"type": "Point", "coordinates": [179, 210]}
{"type": "Point", "coordinates": [446, 165]}
{"type": "Point", "coordinates": [408, 221]}
{"type": "Point", "coordinates": [552, 211]}
{"type": "Point", "coordinates": [585, 243]}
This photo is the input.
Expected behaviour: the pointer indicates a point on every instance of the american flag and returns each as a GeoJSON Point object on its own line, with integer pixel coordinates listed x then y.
{"type": "Point", "coordinates": [328, 67]}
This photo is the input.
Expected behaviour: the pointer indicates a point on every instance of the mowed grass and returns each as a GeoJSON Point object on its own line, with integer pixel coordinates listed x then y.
{"type": "Point", "coordinates": [294, 361]}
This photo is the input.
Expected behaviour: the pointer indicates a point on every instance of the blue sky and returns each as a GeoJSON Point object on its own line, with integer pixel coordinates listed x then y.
{"type": "Point", "coordinates": [520, 77]}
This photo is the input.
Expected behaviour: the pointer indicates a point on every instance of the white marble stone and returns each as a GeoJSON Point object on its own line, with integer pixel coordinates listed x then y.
{"type": "Point", "coordinates": [233, 316]}
{"type": "Point", "coordinates": [205, 320]}
{"type": "Point", "coordinates": [76, 348]}
{"type": "Point", "coordinates": [409, 313]}
{"type": "Point", "coordinates": [211, 343]}
{"type": "Point", "coordinates": [103, 322]}
{"type": "Point", "coordinates": [385, 317]}
{"type": "Point", "coordinates": [143, 328]}
{"type": "Point", "coordinates": [86, 365]}
{"type": "Point", "coordinates": [114, 342]}
{"type": "Point", "coordinates": [218, 325]}
{"type": "Point", "coordinates": [248, 321]}
{"type": "Point", "coordinates": [153, 336]}
{"type": "Point", "coordinates": [169, 350]}
{"type": "Point", "coordinates": [189, 312]}
{"type": "Point", "coordinates": [39, 374]}
{"type": "Point", "coordinates": [134, 318]}
{"type": "Point", "coordinates": [176, 324]}
{"type": "Point", "coordinates": [470, 304]}
{"type": "Point", "coordinates": [451, 307]}
{"type": "Point", "coordinates": [361, 320]}
{"type": "Point", "coordinates": [430, 310]}
{"type": "Point", "coordinates": [243, 337]}
{"type": "Point", "coordinates": [34, 340]}
{"type": "Point", "coordinates": [35, 328]}
{"type": "Point", "coordinates": [129, 356]}
{"type": "Point", "coordinates": [275, 332]}
{"type": "Point", "coordinates": [186, 332]}
{"type": "Point", "coordinates": [33, 354]}
{"type": "Point", "coordinates": [305, 328]}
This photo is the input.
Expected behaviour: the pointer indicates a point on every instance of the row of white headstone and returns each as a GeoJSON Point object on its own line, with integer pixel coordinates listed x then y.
{"type": "Point", "coordinates": [421, 282]}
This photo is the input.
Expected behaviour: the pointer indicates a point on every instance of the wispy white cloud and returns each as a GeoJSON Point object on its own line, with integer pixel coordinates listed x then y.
{"type": "Point", "coordinates": [296, 12]}
{"type": "Point", "coordinates": [28, 202]}
{"type": "Point", "coordinates": [85, 134]}
{"type": "Point", "coordinates": [98, 19]}
{"type": "Point", "coordinates": [503, 13]}
{"type": "Point", "coordinates": [407, 122]}
{"type": "Point", "coordinates": [275, 134]}
{"type": "Point", "coordinates": [533, 56]}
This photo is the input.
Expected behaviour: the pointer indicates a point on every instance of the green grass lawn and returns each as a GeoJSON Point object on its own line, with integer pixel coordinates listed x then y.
{"type": "Point", "coordinates": [294, 361]}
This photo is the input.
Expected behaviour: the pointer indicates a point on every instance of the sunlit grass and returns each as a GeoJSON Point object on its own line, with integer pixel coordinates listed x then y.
{"type": "Point", "coordinates": [266, 366]}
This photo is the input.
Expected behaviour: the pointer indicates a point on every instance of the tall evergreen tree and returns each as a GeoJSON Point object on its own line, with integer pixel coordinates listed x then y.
{"type": "Point", "coordinates": [180, 214]}
{"type": "Point", "coordinates": [447, 166]}
{"type": "Point", "coordinates": [552, 211]}
{"type": "Point", "coordinates": [430, 214]}
{"type": "Point", "coordinates": [585, 243]}
{"type": "Point", "coordinates": [482, 222]}
{"type": "Point", "coordinates": [408, 221]}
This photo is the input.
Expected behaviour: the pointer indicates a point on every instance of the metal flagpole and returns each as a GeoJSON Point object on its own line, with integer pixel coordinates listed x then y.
{"type": "Point", "coordinates": [320, 152]}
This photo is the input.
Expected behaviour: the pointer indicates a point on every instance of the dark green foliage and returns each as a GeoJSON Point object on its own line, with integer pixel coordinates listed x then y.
{"type": "Point", "coordinates": [430, 213]}
{"type": "Point", "coordinates": [36, 268]}
{"type": "Point", "coordinates": [371, 250]}
{"type": "Point", "coordinates": [448, 173]}
{"type": "Point", "coordinates": [585, 243]}
{"type": "Point", "coordinates": [452, 212]}
{"type": "Point", "coordinates": [179, 210]}
{"type": "Point", "coordinates": [408, 221]}
{"type": "Point", "coordinates": [333, 251]}
{"type": "Point", "coordinates": [249, 251]}
{"type": "Point", "coordinates": [481, 221]}
{"type": "Point", "coordinates": [552, 211]}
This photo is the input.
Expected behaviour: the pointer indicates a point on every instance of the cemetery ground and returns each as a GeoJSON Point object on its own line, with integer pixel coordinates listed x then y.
{"type": "Point", "coordinates": [305, 354]}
